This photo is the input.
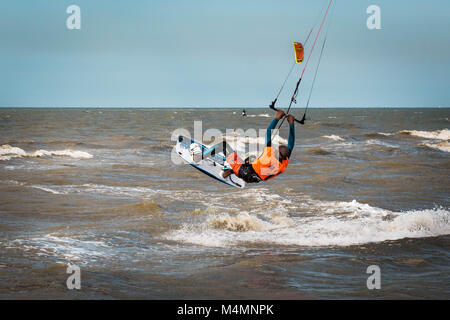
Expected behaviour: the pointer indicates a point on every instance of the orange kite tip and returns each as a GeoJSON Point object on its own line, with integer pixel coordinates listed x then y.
{"type": "Point", "coordinates": [298, 49]}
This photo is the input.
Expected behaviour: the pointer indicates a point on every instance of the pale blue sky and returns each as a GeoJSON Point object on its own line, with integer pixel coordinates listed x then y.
{"type": "Point", "coordinates": [220, 53]}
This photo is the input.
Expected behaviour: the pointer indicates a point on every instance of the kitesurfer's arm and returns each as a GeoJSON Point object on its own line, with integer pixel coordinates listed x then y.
{"type": "Point", "coordinates": [291, 140]}
{"type": "Point", "coordinates": [280, 114]}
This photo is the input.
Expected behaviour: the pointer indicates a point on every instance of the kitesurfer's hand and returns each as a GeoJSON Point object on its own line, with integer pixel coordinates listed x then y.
{"type": "Point", "coordinates": [290, 119]}
{"type": "Point", "coordinates": [280, 114]}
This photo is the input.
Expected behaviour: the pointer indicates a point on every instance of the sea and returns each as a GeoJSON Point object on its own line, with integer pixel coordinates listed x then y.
{"type": "Point", "coordinates": [361, 212]}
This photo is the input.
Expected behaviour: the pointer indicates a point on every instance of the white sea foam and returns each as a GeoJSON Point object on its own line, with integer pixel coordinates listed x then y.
{"type": "Point", "coordinates": [442, 146]}
{"type": "Point", "coordinates": [8, 152]}
{"type": "Point", "coordinates": [263, 115]}
{"type": "Point", "coordinates": [68, 249]}
{"type": "Point", "coordinates": [46, 189]}
{"type": "Point", "coordinates": [380, 143]}
{"type": "Point", "coordinates": [115, 191]}
{"type": "Point", "coordinates": [7, 149]}
{"type": "Point", "coordinates": [443, 134]}
{"type": "Point", "coordinates": [323, 223]}
{"type": "Point", "coordinates": [334, 137]}
{"type": "Point", "coordinates": [386, 134]}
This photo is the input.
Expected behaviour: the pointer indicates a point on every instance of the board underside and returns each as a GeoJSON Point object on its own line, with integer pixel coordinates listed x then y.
{"type": "Point", "coordinates": [211, 163]}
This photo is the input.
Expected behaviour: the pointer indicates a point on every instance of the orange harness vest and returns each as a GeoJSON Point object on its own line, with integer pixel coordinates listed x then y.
{"type": "Point", "coordinates": [268, 166]}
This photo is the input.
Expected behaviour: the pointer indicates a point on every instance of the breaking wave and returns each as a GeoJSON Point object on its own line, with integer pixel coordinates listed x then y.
{"type": "Point", "coordinates": [442, 146]}
{"type": "Point", "coordinates": [443, 134]}
{"type": "Point", "coordinates": [438, 134]}
{"type": "Point", "coordinates": [378, 134]}
{"type": "Point", "coordinates": [380, 143]}
{"type": "Point", "coordinates": [334, 137]}
{"type": "Point", "coordinates": [441, 137]}
{"type": "Point", "coordinates": [8, 152]}
{"type": "Point", "coordinates": [324, 223]}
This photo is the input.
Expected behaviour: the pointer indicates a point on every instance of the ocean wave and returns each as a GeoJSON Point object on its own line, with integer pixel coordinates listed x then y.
{"type": "Point", "coordinates": [142, 207]}
{"type": "Point", "coordinates": [120, 191]}
{"type": "Point", "coordinates": [244, 221]}
{"type": "Point", "coordinates": [8, 152]}
{"type": "Point", "coordinates": [318, 152]}
{"type": "Point", "coordinates": [346, 125]}
{"type": "Point", "coordinates": [443, 134]}
{"type": "Point", "coordinates": [378, 134]}
{"type": "Point", "coordinates": [66, 248]}
{"type": "Point", "coordinates": [385, 134]}
{"type": "Point", "coordinates": [49, 190]}
{"type": "Point", "coordinates": [442, 146]}
{"type": "Point", "coordinates": [162, 146]}
{"type": "Point", "coordinates": [334, 137]}
{"type": "Point", "coordinates": [380, 143]}
{"type": "Point", "coordinates": [324, 223]}
{"type": "Point", "coordinates": [263, 115]}
{"type": "Point", "coordinates": [241, 223]}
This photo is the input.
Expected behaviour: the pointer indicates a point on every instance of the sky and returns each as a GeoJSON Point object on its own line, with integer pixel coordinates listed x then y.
{"type": "Point", "coordinates": [151, 53]}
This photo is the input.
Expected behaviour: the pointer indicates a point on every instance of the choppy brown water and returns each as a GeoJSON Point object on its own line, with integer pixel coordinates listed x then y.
{"type": "Point", "coordinates": [96, 187]}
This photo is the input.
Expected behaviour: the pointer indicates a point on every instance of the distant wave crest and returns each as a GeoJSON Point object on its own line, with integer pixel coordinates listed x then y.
{"type": "Point", "coordinates": [8, 152]}
{"type": "Point", "coordinates": [334, 137]}
{"type": "Point", "coordinates": [263, 115]}
{"type": "Point", "coordinates": [441, 137]}
{"type": "Point", "coordinates": [443, 134]}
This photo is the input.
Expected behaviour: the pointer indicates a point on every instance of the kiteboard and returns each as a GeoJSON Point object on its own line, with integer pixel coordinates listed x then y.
{"type": "Point", "coordinates": [208, 160]}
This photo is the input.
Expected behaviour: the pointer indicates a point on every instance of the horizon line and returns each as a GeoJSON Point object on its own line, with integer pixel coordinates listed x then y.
{"type": "Point", "coordinates": [221, 107]}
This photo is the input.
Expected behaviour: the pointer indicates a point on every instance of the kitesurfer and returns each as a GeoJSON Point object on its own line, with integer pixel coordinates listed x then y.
{"type": "Point", "coordinates": [271, 163]}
